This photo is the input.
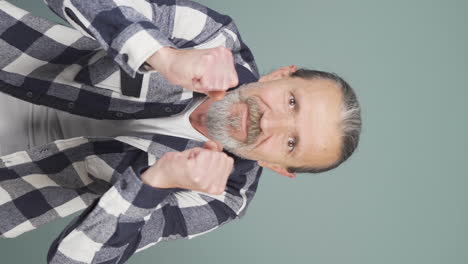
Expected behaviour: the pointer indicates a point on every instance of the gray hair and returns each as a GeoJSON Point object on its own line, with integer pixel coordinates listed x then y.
{"type": "Point", "coordinates": [350, 118]}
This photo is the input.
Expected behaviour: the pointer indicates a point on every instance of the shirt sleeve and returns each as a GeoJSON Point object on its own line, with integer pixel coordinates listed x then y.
{"type": "Point", "coordinates": [47, 182]}
{"type": "Point", "coordinates": [132, 30]}
{"type": "Point", "coordinates": [122, 214]}
{"type": "Point", "coordinates": [42, 184]}
{"type": "Point", "coordinates": [131, 217]}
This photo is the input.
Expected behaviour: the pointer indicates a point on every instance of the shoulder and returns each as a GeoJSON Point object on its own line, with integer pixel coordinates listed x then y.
{"type": "Point", "coordinates": [242, 184]}
{"type": "Point", "coordinates": [184, 5]}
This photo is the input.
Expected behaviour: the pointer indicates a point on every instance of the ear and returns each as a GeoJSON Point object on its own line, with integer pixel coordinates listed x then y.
{"type": "Point", "coordinates": [276, 168]}
{"type": "Point", "coordinates": [279, 73]}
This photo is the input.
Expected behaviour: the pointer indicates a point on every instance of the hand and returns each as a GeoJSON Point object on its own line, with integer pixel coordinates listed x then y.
{"type": "Point", "coordinates": [209, 71]}
{"type": "Point", "coordinates": [200, 169]}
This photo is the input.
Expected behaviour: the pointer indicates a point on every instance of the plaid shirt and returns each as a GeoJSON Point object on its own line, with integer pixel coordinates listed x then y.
{"type": "Point", "coordinates": [100, 76]}
{"type": "Point", "coordinates": [50, 64]}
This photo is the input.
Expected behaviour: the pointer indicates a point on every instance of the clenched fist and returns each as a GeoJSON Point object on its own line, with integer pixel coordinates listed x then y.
{"type": "Point", "coordinates": [200, 169]}
{"type": "Point", "coordinates": [209, 71]}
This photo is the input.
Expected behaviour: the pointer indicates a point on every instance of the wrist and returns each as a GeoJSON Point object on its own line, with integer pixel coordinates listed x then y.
{"type": "Point", "coordinates": [161, 59]}
{"type": "Point", "coordinates": [154, 178]}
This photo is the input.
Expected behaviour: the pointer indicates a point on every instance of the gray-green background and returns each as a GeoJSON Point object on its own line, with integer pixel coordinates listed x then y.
{"type": "Point", "coordinates": [402, 197]}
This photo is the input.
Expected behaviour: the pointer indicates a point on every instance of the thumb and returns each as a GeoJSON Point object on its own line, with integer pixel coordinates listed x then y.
{"type": "Point", "coordinates": [192, 153]}
{"type": "Point", "coordinates": [213, 145]}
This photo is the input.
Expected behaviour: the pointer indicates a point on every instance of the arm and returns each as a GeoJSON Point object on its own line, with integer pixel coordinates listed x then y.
{"type": "Point", "coordinates": [132, 31]}
{"type": "Point", "coordinates": [133, 216]}
{"type": "Point", "coordinates": [103, 230]}
{"type": "Point", "coordinates": [143, 36]}
{"type": "Point", "coordinates": [44, 183]}
{"type": "Point", "coordinates": [127, 30]}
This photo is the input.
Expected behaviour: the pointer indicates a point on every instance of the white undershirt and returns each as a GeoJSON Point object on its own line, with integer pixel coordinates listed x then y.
{"type": "Point", "coordinates": [24, 125]}
{"type": "Point", "coordinates": [177, 125]}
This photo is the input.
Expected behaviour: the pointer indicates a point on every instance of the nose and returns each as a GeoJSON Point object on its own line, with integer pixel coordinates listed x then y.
{"type": "Point", "coordinates": [273, 122]}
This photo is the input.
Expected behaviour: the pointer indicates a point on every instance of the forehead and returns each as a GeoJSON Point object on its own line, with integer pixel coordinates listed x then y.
{"type": "Point", "coordinates": [317, 122]}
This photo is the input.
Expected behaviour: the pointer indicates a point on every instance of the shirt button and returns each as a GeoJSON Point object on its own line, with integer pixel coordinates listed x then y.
{"type": "Point", "coordinates": [123, 185]}
{"type": "Point", "coordinates": [119, 114]}
{"type": "Point", "coordinates": [71, 105]}
{"type": "Point", "coordinates": [29, 94]}
{"type": "Point", "coordinates": [125, 57]}
{"type": "Point", "coordinates": [167, 109]}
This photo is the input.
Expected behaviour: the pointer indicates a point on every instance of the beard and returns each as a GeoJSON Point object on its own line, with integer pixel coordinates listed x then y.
{"type": "Point", "coordinates": [219, 123]}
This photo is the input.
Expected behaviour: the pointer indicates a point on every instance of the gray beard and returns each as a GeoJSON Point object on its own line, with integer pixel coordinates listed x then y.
{"type": "Point", "coordinates": [219, 123]}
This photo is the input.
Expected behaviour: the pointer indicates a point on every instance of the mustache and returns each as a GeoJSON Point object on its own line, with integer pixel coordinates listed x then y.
{"type": "Point", "coordinates": [219, 122]}
{"type": "Point", "coordinates": [255, 115]}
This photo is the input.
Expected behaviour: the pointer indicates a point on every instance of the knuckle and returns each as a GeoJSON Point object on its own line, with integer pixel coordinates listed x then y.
{"type": "Point", "coordinates": [224, 52]}
{"type": "Point", "coordinates": [235, 81]}
{"type": "Point", "coordinates": [197, 179]}
{"type": "Point", "coordinates": [204, 82]}
{"type": "Point", "coordinates": [194, 149]}
{"type": "Point", "coordinates": [190, 164]}
{"type": "Point", "coordinates": [208, 58]}
{"type": "Point", "coordinates": [215, 190]}
{"type": "Point", "coordinates": [219, 191]}
{"type": "Point", "coordinates": [168, 156]}
{"type": "Point", "coordinates": [230, 160]}
{"type": "Point", "coordinates": [210, 87]}
{"type": "Point", "coordinates": [205, 188]}
{"type": "Point", "coordinates": [204, 153]}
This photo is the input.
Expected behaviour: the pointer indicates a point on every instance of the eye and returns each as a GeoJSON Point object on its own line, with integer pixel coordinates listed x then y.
{"type": "Point", "coordinates": [291, 144]}
{"type": "Point", "coordinates": [292, 101]}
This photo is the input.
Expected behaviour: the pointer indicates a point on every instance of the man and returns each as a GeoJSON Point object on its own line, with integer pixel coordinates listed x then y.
{"type": "Point", "coordinates": [157, 182]}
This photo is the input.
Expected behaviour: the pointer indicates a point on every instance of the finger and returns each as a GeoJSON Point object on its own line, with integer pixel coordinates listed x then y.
{"type": "Point", "coordinates": [232, 77]}
{"type": "Point", "coordinates": [220, 82]}
{"type": "Point", "coordinates": [218, 170]}
{"type": "Point", "coordinates": [213, 145]}
{"type": "Point", "coordinates": [197, 85]}
{"type": "Point", "coordinates": [234, 80]}
{"type": "Point", "coordinates": [202, 85]}
{"type": "Point", "coordinates": [217, 95]}
{"type": "Point", "coordinates": [192, 153]}
{"type": "Point", "coordinates": [227, 168]}
{"type": "Point", "coordinates": [227, 80]}
{"type": "Point", "coordinates": [204, 157]}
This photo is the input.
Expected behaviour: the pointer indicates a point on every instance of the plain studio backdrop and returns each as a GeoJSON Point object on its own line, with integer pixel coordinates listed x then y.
{"type": "Point", "coordinates": [402, 197]}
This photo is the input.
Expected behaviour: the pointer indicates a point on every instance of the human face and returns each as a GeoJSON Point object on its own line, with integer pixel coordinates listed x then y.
{"type": "Point", "coordinates": [295, 122]}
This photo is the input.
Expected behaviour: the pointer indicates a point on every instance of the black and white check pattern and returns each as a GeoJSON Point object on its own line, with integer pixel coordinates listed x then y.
{"type": "Point", "coordinates": [89, 75]}
{"type": "Point", "coordinates": [50, 64]}
{"type": "Point", "coordinates": [122, 214]}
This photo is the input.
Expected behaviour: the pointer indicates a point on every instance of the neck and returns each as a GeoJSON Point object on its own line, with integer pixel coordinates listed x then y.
{"type": "Point", "coordinates": [198, 117]}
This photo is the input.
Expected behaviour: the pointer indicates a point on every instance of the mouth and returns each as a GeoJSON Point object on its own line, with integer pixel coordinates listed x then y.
{"type": "Point", "coordinates": [254, 115]}
{"type": "Point", "coordinates": [245, 122]}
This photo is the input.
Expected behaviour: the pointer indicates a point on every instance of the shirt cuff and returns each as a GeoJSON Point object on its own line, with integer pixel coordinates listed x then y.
{"type": "Point", "coordinates": [136, 44]}
{"type": "Point", "coordinates": [131, 197]}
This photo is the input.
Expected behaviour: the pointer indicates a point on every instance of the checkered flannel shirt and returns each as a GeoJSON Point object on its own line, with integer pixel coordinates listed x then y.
{"type": "Point", "coordinates": [122, 215]}
{"type": "Point", "coordinates": [102, 175]}
{"type": "Point", "coordinates": [99, 73]}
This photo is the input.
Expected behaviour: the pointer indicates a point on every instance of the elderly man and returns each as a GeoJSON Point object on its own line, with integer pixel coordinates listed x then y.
{"type": "Point", "coordinates": [137, 142]}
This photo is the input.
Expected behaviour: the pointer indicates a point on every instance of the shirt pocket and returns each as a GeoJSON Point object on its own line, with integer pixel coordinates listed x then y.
{"type": "Point", "coordinates": [103, 72]}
